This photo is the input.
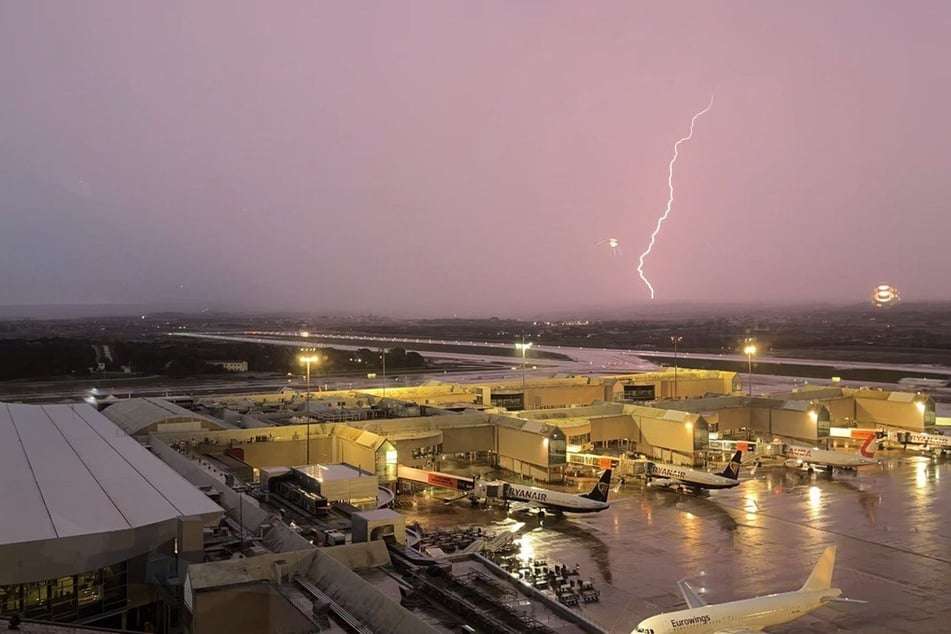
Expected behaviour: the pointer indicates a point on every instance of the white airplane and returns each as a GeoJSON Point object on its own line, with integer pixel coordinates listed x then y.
{"type": "Point", "coordinates": [809, 457]}
{"type": "Point", "coordinates": [935, 443]}
{"type": "Point", "coordinates": [694, 480]}
{"type": "Point", "coordinates": [545, 500]}
{"type": "Point", "coordinates": [748, 616]}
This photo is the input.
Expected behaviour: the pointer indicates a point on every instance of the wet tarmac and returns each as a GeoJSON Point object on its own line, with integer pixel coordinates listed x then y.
{"type": "Point", "coordinates": [891, 522]}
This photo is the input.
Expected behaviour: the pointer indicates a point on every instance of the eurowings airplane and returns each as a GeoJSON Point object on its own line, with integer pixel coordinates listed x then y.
{"type": "Point", "coordinates": [668, 475]}
{"type": "Point", "coordinates": [545, 499]}
{"type": "Point", "coordinates": [809, 457]}
{"type": "Point", "coordinates": [748, 616]}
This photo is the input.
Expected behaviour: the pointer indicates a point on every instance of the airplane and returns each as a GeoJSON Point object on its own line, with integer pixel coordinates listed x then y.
{"type": "Point", "coordinates": [935, 443]}
{"type": "Point", "coordinates": [748, 616]}
{"type": "Point", "coordinates": [545, 500]}
{"type": "Point", "coordinates": [810, 457]}
{"type": "Point", "coordinates": [694, 480]}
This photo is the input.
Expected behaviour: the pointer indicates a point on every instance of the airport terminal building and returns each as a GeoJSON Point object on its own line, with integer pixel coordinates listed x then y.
{"type": "Point", "coordinates": [94, 528]}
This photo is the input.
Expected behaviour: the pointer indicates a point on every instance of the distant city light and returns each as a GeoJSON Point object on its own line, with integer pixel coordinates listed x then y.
{"type": "Point", "coordinates": [885, 296]}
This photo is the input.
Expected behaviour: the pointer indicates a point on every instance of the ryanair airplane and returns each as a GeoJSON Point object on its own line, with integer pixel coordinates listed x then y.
{"type": "Point", "coordinates": [694, 480]}
{"type": "Point", "coordinates": [543, 500]}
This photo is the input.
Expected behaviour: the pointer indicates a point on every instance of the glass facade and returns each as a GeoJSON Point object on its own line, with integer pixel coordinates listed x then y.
{"type": "Point", "coordinates": [67, 599]}
{"type": "Point", "coordinates": [557, 449]}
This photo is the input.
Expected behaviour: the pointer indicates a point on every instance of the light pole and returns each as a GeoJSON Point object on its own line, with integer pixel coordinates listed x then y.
{"type": "Point", "coordinates": [383, 356]}
{"type": "Point", "coordinates": [676, 340]}
{"type": "Point", "coordinates": [307, 359]}
{"type": "Point", "coordinates": [749, 350]}
{"type": "Point", "coordinates": [523, 346]}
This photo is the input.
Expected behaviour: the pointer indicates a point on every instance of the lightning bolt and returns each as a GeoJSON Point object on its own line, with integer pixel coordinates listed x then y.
{"type": "Point", "coordinates": [670, 199]}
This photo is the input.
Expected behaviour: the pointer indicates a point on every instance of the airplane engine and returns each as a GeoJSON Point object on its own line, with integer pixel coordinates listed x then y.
{"type": "Point", "coordinates": [793, 462]}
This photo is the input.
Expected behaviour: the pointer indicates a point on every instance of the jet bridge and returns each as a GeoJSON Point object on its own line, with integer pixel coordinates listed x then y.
{"type": "Point", "coordinates": [435, 478]}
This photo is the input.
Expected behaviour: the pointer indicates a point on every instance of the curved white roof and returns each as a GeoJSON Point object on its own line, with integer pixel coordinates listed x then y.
{"type": "Point", "coordinates": [66, 470]}
{"type": "Point", "coordinates": [137, 414]}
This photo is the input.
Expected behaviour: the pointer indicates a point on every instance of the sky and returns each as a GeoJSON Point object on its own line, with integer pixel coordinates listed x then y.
{"type": "Point", "coordinates": [472, 158]}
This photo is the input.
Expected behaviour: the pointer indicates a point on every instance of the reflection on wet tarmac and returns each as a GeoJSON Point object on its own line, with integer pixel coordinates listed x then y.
{"type": "Point", "coordinates": [892, 524]}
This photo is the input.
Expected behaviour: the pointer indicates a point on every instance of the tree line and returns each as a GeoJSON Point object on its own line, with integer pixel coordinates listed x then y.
{"type": "Point", "coordinates": [56, 357]}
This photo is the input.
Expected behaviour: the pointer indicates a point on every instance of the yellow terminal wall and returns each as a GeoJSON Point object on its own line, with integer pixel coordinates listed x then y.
{"type": "Point", "coordinates": [893, 413]}
{"type": "Point", "coordinates": [523, 446]}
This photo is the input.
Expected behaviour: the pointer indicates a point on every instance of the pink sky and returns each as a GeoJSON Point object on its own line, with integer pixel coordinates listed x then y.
{"type": "Point", "coordinates": [433, 158]}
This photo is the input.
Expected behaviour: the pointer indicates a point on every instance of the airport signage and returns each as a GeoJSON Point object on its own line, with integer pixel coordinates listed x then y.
{"type": "Point", "coordinates": [528, 494]}
{"type": "Point", "coordinates": [701, 619]}
{"type": "Point", "coordinates": [668, 472]}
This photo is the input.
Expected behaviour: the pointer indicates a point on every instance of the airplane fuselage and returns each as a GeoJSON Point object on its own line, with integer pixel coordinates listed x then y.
{"type": "Point", "coordinates": [545, 499]}
{"type": "Point", "coordinates": [751, 614]}
{"type": "Point", "coordinates": [826, 457]}
{"type": "Point", "coordinates": [689, 477]}
{"type": "Point", "coordinates": [928, 441]}
{"type": "Point", "coordinates": [553, 500]}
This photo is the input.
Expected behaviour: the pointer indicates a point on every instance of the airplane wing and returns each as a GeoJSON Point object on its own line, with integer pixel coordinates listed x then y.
{"type": "Point", "coordinates": [693, 599]}
{"type": "Point", "coordinates": [661, 482]}
{"type": "Point", "coordinates": [519, 507]}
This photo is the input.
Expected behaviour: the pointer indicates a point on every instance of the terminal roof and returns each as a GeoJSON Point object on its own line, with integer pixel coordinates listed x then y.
{"type": "Point", "coordinates": [135, 414]}
{"type": "Point", "coordinates": [66, 470]}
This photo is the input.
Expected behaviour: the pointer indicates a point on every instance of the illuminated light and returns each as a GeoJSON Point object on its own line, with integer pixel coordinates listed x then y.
{"type": "Point", "coordinates": [689, 426]}
{"type": "Point", "coordinates": [920, 406]}
{"type": "Point", "coordinates": [815, 497]}
{"type": "Point", "coordinates": [670, 198]}
{"type": "Point", "coordinates": [885, 296]}
{"type": "Point", "coordinates": [750, 504]}
{"type": "Point", "coordinates": [613, 243]}
{"type": "Point", "coordinates": [813, 415]}
{"type": "Point", "coordinates": [528, 547]}
{"type": "Point", "coordinates": [304, 333]}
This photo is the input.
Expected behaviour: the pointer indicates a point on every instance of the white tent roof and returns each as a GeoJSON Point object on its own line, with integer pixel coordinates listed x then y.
{"type": "Point", "coordinates": [135, 414]}
{"type": "Point", "coordinates": [67, 470]}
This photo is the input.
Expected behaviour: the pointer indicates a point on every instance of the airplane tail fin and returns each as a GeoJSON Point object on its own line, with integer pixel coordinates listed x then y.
{"type": "Point", "coordinates": [732, 470]}
{"type": "Point", "coordinates": [600, 490]}
{"type": "Point", "coordinates": [821, 576]}
{"type": "Point", "coordinates": [870, 445]}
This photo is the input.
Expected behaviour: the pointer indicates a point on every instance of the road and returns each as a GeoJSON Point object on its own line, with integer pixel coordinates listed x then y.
{"type": "Point", "coordinates": [580, 359]}
{"type": "Point", "coordinates": [491, 367]}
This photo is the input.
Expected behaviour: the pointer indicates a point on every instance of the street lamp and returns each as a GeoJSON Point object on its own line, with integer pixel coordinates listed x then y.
{"type": "Point", "coordinates": [749, 350]}
{"type": "Point", "coordinates": [383, 356]}
{"type": "Point", "coordinates": [523, 346]}
{"type": "Point", "coordinates": [676, 340]}
{"type": "Point", "coordinates": [307, 359]}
